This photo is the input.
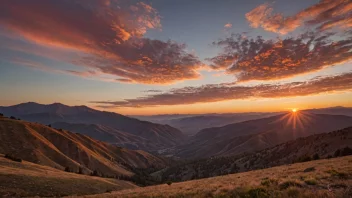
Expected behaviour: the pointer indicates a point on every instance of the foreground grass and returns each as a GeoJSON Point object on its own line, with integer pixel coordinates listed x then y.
{"type": "Point", "coordinates": [322, 178]}
{"type": "Point", "coordinates": [25, 179]}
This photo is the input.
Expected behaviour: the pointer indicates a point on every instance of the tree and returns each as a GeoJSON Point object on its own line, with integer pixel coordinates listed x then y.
{"type": "Point", "coordinates": [13, 118]}
{"type": "Point", "coordinates": [67, 169]}
{"type": "Point", "coordinates": [80, 170]}
{"type": "Point", "coordinates": [346, 151]}
{"type": "Point", "coordinates": [94, 173]}
{"type": "Point", "coordinates": [337, 153]}
{"type": "Point", "coordinates": [316, 156]}
{"type": "Point", "coordinates": [1, 115]}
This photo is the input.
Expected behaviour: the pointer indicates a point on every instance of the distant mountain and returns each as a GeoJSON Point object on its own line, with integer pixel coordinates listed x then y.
{"type": "Point", "coordinates": [319, 146]}
{"type": "Point", "coordinates": [163, 136]}
{"type": "Point", "coordinates": [191, 124]}
{"type": "Point", "coordinates": [109, 135]}
{"type": "Point", "coordinates": [44, 145]}
{"type": "Point", "coordinates": [332, 111]}
{"type": "Point", "coordinates": [259, 134]}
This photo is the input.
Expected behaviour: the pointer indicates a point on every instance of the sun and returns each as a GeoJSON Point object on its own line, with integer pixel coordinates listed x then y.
{"type": "Point", "coordinates": [294, 110]}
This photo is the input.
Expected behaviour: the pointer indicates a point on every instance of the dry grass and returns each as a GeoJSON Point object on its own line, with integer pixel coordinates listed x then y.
{"type": "Point", "coordinates": [28, 179]}
{"type": "Point", "coordinates": [330, 178]}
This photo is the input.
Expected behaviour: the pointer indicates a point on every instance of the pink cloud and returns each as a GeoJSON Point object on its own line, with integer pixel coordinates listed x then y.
{"type": "Point", "coordinates": [326, 14]}
{"type": "Point", "coordinates": [222, 92]}
{"type": "Point", "coordinates": [109, 32]}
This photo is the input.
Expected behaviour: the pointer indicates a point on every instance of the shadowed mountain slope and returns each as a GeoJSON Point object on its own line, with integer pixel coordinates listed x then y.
{"type": "Point", "coordinates": [59, 149]}
{"type": "Point", "coordinates": [109, 135]}
{"type": "Point", "coordinates": [163, 136]}
{"type": "Point", "coordinates": [323, 145]}
{"type": "Point", "coordinates": [259, 134]}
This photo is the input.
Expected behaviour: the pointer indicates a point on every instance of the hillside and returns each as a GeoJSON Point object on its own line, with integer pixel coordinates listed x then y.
{"type": "Point", "coordinates": [323, 178]}
{"type": "Point", "coordinates": [191, 124]}
{"type": "Point", "coordinates": [163, 136]}
{"type": "Point", "coordinates": [26, 179]}
{"type": "Point", "coordinates": [44, 145]}
{"type": "Point", "coordinates": [109, 135]}
{"type": "Point", "coordinates": [325, 145]}
{"type": "Point", "coordinates": [255, 135]}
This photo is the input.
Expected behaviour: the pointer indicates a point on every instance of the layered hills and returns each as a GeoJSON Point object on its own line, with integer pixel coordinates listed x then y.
{"type": "Point", "coordinates": [62, 149]}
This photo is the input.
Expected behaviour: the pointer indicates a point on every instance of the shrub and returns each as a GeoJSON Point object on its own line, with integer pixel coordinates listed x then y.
{"type": "Point", "coordinates": [335, 173]}
{"type": "Point", "coordinates": [1, 115]}
{"type": "Point", "coordinates": [169, 183]}
{"type": "Point", "coordinates": [94, 173]}
{"type": "Point", "coordinates": [311, 182]}
{"type": "Point", "coordinates": [67, 169]}
{"type": "Point", "coordinates": [310, 169]}
{"type": "Point", "coordinates": [304, 158]}
{"type": "Point", "coordinates": [258, 193]}
{"type": "Point", "coordinates": [269, 182]}
{"type": "Point", "coordinates": [80, 170]}
{"type": "Point", "coordinates": [337, 153]}
{"type": "Point", "coordinates": [13, 158]}
{"type": "Point", "coordinates": [293, 192]}
{"type": "Point", "coordinates": [13, 118]}
{"type": "Point", "coordinates": [287, 184]}
{"type": "Point", "coordinates": [316, 156]}
{"type": "Point", "coordinates": [346, 151]}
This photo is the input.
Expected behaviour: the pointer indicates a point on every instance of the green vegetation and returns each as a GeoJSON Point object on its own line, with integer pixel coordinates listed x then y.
{"type": "Point", "coordinates": [340, 175]}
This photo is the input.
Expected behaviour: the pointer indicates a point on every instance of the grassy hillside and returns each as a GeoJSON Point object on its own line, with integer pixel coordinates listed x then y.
{"type": "Point", "coordinates": [59, 149]}
{"type": "Point", "coordinates": [28, 179]}
{"type": "Point", "coordinates": [163, 136]}
{"type": "Point", "coordinates": [319, 146]}
{"type": "Point", "coordinates": [321, 178]}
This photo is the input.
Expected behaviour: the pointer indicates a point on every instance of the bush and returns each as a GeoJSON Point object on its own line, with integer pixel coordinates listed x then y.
{"type": "Point", "coordinates": [304, 158]}
{"type": "Point", "coordinates": [1, 115]}
{"type": "Point", "coordinates": [258, 193]}
{"type": "Point", "coordinates": [337, 153]}
{"type": "Point", "coordinates": [346, 151]}
{"type": "Point", "coordinates": [269, 182]}
{"type": "Point", "coordinates": [80, 170]}
{"type": "Point", "coordinates": [169, 183]}
{"type": "Point", "coordinates": [293, 192]}
{"type": "Point", "coordinates": [311, 182]}
{"type": "Point", "coordinates": [67, 169]}
{"type": "Point", "coordinates": [13, 118]}
{"type": "Point", "coordinates": [288, 184]}
{"type": "Point", "coordinates": [94, 173]}
{"type": "Point", "coordinates": [316, 156]}
{"type": "Point", "coordinates": [13, 158]}
{"type": "Point", "coordinates": [310, 169]}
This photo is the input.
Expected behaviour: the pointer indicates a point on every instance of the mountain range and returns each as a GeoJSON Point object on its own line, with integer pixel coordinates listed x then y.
{"type": "Point", "coordinates": [318, 146]}
{"type": "Point", "coordinates": [190, 124]}
{"type": "Point", "coordinates": [62, 149]}
{"type": "Point", "coordinates": [255, 135]}
{"type": "Point", "coordinates": [137, 134]}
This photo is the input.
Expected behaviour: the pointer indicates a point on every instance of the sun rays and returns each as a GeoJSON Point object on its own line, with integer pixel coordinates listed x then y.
{"type": "Point", "coordinates": [296, 119]}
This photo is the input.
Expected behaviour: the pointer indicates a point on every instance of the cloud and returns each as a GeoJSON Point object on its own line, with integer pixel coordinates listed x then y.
{"type": "Point", "coordinates": [109, 33]}
{"type": "Point", "coordinates": [326, 14]}
{"type": "Point", "coordinates": [259, 59]}
{"type": "Point", "coordinates": [228, 25]}
{"type": "Point", "coordinates": [222, 92]}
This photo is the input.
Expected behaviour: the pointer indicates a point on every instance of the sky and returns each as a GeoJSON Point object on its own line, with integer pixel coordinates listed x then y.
{"type": "Point", "coordinates": [177, 56]}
